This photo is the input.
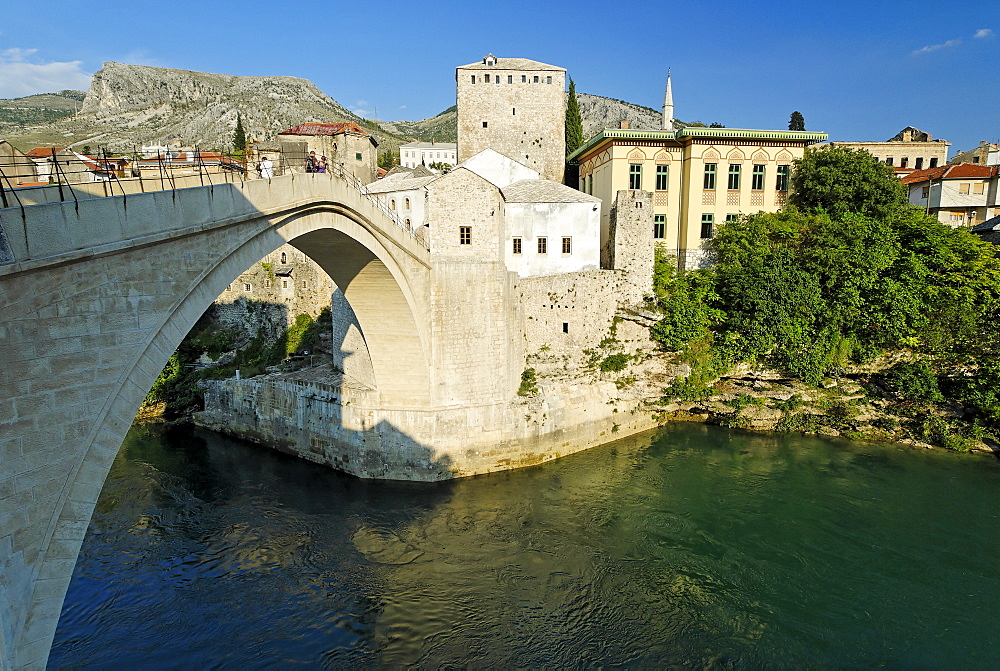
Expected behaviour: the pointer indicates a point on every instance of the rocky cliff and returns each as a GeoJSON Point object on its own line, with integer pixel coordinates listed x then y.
{"type": "Point", "coordinates": [132, 105]}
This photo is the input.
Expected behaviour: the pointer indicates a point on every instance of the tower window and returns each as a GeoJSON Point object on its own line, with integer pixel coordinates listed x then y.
{"type": "Point", "coordinates": [513, 110]}
{"type": "Point", "coordinates": [920, 163]}
{"type": "Point", "coordinates": [567, 245]}
{"type": "Point", "coordinates": [510, 79]}
{"type": "Point", "coordinates": [247, 287]}
{"type": "Point", "coordinates": [548, 80]}
{"type": "Point", "coordinates": [888, 160]}
{"type": "Point", "coordinates": [543, 245]}
{"type": "Point", "coordinates": [934, 162]}
{"type": "Point", "coordinates": [565, 327]}
{"type": "Point", "coordinates": [486, 78]}
{"type": "Point", "coordinates": [517, 246]}
{"type": "Point", "coordinates": [465, 235]}
{"type": "Point", "coordinates": [524, 78]}
{"type": "Point", "coordinates": [473, 79]}
{"type": "Point", "coordinates": [535, 79]}
{"type": "Point", "coordinates": [484, 124]}
{"type": "Point", "coordinates": [284, 257]}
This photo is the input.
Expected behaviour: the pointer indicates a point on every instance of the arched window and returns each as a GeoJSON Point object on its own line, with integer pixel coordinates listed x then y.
{"type": "Point", "coordinates": [407, 224]}
{"type": "Point", "coordinates": [284, 257]}
{"type": "Point", "coordinates": [407, 203]}
{"type": "Point", "coordinates": [392, 204]}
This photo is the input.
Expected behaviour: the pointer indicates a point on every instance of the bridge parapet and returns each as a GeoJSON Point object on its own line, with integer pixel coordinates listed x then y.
{"type": "Point", "coordinates": [67, 229]}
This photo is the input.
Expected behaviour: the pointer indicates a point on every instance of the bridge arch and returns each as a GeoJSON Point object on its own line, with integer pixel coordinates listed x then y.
{"type": "Point", "coordinates": [112, 314]}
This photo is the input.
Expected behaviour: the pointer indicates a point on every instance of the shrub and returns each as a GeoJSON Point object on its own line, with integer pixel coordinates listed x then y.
{"type": "Point", "coordinates": [528, 386]}
{"type": "Point", "coordinates": [614, 363]}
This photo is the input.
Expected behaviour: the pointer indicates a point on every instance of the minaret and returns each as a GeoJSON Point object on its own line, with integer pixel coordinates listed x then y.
{"type": "Point", "coordinates": [668, 106]}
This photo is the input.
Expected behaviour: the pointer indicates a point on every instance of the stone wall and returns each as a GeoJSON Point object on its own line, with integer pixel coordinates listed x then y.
{"type": "Point", "coordinates": [474, 322]}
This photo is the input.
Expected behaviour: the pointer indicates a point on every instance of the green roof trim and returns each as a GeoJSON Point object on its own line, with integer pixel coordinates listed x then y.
{"type": "Point", "coordinates": [690, 132]}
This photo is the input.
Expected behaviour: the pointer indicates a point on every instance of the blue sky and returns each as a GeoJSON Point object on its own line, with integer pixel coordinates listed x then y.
{"type": "Point", "coordinates": [857, 70]}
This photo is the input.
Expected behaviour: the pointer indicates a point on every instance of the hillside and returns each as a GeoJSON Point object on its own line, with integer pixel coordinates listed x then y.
{"type": "Point", "coordinates": [39, 108]}
{"type": "Point", "coordinates": [131, 105]}
{"type": "Point", "coordinates": [128, 106]}
{"type": "Point", "coordinates": [597, 113]}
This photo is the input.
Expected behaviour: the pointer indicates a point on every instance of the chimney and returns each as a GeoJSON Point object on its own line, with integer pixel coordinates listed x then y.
{"type": "Point", "coordinates": [625, 125]}
{"type": "Point", "coordinates": [907, 135]}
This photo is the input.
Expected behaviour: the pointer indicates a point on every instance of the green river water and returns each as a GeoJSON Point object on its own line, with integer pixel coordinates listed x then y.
{"type": "Point", "coordinates": [691, 547]}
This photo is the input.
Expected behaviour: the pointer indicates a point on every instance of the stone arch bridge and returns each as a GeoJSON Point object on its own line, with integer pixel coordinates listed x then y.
{"type": "Point", "coordinates": [97, 293]}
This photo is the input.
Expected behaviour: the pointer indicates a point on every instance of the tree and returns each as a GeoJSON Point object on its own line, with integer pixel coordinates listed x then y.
{"type": "Point", "coordinates": [239, 136]}
{"type": "Point", "coordinates": [574, 124]}
{"type": "Point", "coordinates": [838, 180]}
{"type": "Point", "coordinates": [716, 124]}
{"type": "Point", "coordinates": [796, 121]}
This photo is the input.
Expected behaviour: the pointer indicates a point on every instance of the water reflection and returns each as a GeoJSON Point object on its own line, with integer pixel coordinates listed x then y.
{"type": "Point", "coordinates": [695, 546]}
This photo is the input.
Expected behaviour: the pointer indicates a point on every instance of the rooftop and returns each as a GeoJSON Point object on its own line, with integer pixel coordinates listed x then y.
{"type": "Point", "coordinates": [399, 182]}
{"type": "Point", "coordinates": [955, 171]}
{"type": "Point", "coordinates": [510, 64]}
{"type": "Point", "coordinates": [544, 191]}
{"type": "Point", "coordinates": [429, 145]}
{"type": "Point", "coordinates": [692, 132]}
{"type": "Point", "coordinates": [312, 128]}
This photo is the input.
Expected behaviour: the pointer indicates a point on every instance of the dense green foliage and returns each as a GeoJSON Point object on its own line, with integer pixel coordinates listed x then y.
{"type": "Point", "coordinates": [838, 180]}
{"type": "Point", "coordinates": [574, 123]}
{"type": "Point", "coordinates": [796, 121]}
{"type": "Point", "coordinates": [852, 274]}
{"type": "Point", "coordinates": [177, 385]}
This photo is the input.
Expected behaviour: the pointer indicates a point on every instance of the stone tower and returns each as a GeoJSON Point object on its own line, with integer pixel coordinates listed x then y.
{"type": "Point", "coordinates": [516, 107]}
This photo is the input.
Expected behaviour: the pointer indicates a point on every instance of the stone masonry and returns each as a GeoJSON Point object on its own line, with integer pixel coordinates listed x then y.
{"type": "Point", "coordinates": [517, 107]}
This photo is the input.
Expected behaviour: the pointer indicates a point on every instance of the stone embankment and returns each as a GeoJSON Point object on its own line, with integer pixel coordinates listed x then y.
{"type": "Point", "coordinates": [851, 407]}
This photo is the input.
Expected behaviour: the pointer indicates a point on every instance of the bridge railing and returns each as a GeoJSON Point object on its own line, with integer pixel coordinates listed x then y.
{"type": "Point", "coordinates": [61, 174]}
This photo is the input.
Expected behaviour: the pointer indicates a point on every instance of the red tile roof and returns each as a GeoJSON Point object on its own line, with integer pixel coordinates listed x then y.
{"type": "Point", "coordinates": [43, 152]}
{"type": "Point", "coordinates": [957, 171]}
{"type": "Point", "coordinates": [312, 128]}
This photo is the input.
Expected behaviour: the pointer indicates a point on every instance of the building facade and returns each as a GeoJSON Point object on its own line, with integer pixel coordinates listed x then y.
{"type": "Point", "coordinates": [910, 149]}
{"type": "Point", "coordinates": [345, 144]}
{"type": "Point", "coordinates": [514, 106]}
{"type": "Point", "coordinates": [957, 195]}
{"type": "Point", "coordinates": [426, 153]}
{"type": "Point", "coordinates": [699, 177]}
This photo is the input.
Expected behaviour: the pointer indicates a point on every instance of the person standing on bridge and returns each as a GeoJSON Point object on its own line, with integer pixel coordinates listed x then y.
{"type": "Point", "coordinates": [266, 168]}
{"type": "Point", "coordinates": [321, 166]}
{"type": "Point", "coordinates": [311, 162]}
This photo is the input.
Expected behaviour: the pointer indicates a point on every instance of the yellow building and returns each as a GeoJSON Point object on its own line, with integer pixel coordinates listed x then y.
{"type": "Point", "coordinates": [700, 177]}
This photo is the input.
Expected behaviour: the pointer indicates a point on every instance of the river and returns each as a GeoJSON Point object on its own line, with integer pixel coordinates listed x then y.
{"type": "Point", "coordinates": [694, 546]}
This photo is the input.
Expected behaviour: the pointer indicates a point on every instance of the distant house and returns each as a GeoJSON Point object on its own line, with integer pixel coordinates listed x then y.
{"type": "Point", "coordinates": [908, 150]}
{"type": "Point", "coordinates": [62, 164]}
{"type": "Point", "coordinates": [987, 153]}
{"type": "Point", "coordinates": [189, 162]}
{"type": "Point", "coordinates": [989, 230]}
{"type": "Point", "coordinates": [957, 195]}
{"type": "Point", "coordinates": [426, 153]}
{"type": "Point", "coordinates": [345, 144]}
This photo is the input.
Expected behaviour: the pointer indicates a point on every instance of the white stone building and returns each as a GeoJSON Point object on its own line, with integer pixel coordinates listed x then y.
{"type": "Point", "coordinates": [550, 228]}
{"type": "Point", "coordinates": [425, 153]}
{"type": "Point", "coordinates": [545, 228]}
{"type": "Point", "coordinates": [958, 195]}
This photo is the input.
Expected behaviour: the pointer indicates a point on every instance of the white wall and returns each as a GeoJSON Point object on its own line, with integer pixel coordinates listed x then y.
{"type": "Point", "coordinates": [498, 169]}
{"type": "Point", "coordinates": [529, 221]}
